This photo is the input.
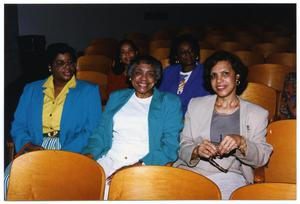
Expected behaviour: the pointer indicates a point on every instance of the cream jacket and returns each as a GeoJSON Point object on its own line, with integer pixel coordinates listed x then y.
{"type": "Point", "coordinates": [253, 127]}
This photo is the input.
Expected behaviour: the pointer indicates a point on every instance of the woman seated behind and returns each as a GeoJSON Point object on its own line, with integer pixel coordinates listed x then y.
{"type": "Point", "coordinates": [139, 126]}
{"type": "Point", "coordinates": [126, 52]}
{"type": "Point", "coordinates": [184, 76]}
{"type": "Point", "coordinates": [288, 98]}
{"type": "Point", "coordinates": [224, 136]}
{"type": "Point", "coordinates": [59, 112]}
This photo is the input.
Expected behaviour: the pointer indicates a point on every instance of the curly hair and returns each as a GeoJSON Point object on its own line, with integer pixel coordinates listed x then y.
{"type": "Point", "coordinates": [237, 66]}
{"type": "Point", "coordinates": [178, 41]}
{"type": "Point", "coordinates": [147, 59]}
{"type": "Point", "coordinates": [59, 48]}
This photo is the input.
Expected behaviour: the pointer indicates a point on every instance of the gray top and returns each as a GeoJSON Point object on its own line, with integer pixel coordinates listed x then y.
{"type": "Point", "coordinates": [223, 124]}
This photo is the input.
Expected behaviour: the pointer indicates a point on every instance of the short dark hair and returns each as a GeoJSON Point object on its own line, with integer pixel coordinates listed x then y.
{"type": "Point", "coordinates": [147, 59]}
{"type": "Point", "coordinates": [59, 48]}
{"type": "Point", "coordinates": [237, 66]}
{"type": "Point", "coordinates": [178, 41]}
{"type": "Point", "coordinates": [119, 67]}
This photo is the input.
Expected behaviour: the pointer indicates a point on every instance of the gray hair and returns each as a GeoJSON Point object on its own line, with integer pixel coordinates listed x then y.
{"type": "Point", "coordinates": [147, 59]}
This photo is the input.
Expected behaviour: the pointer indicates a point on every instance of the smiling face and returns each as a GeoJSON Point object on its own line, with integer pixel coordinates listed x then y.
{"type": "Point", "coordinates": [223, 79]}
{"type": "Point", "coordinates": [127, 53]}
{"type": "Point", "coordinates": [143, 80]}
{"type": "Point", "coordinates": [63, 68]}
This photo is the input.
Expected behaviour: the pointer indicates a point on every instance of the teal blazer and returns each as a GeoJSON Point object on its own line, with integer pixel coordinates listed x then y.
{"type": "Point", "coordinates": [165, 123]}
{"type": "Point", "coordinates": [81, 115]}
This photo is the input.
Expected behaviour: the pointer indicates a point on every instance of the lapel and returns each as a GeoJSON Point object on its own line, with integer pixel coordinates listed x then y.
{"type": "Point", "coordinates": [192, 77]}
{"type": "Point", "coordinates": [175, 79]}
{"type": "Point", "coordinates": [122, 100]}
{"type": "Point", "coordinates": [189, 86]}
{"type": "Point", "coordinates": [71, 98]}
{"type": "Point", "coordinates": [153, 116]}
{"type": "Point", "coordinates": [209, 108]}
{"type": "Point", "coordinates": [39, 111]}
{"type": "Point", "coordinates": [243, 118]}
{"type": "Point", "coordinates": [113, 105]}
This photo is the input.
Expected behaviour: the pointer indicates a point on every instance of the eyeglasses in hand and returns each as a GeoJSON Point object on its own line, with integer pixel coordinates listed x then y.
{"type": "Point", "coordinates": [211, 159]}
{"type": "Point", "coordinates": [215, 164]}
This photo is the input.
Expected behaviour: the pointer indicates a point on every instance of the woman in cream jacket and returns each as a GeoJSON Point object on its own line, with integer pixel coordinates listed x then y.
{"type": "Point", "coordinates": [224, 136]}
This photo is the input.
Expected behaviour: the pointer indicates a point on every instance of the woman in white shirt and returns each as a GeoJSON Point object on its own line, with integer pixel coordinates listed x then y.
{"type": "Point", "coordinates": [139, 126]}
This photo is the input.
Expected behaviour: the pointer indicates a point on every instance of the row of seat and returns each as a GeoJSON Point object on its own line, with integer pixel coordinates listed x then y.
{"type": "Point", "coordinates": [102, 63]}
{"type": "Point", "coordinates": [255, 38]}
{"type": "Point", "coordinates": [271, 75]}
{"type": "Point", "coordinates": [263, 48]}
{"type": "Point", "coordinates": [233, 38]}
{"type": "Point", "coordinates": [248, 57]}
{"type": "Point", "coordinates": [61, 175]}
{"type": "Point", "coordinates": [163, 46]}
{"type": "Point", "coordinates": [258, 93]}
{"type": "Point", "coordinates": [262, 53]}
{"type": "Point", "coordinates": [94, 68]}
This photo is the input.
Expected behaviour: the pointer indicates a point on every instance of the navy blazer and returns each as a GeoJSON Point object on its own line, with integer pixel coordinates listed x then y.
{"type": "Point", "coordinates": [81, 114]}
{"type": "Point", "coordinates": [165, 123]}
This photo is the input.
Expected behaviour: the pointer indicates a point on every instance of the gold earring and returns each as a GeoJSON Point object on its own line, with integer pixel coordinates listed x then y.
{"type": "Point", "coordinates": [49, 68]}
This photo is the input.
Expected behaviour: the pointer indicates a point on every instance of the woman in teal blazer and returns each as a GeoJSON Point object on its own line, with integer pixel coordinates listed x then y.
{"type": "Point", "coordinates": [165, 123]}
{"type": "Point", "coordinates": [80, 116]}
{"type": "Point", "coordinates": [149, 135]}
{"type": "Point", "coordinates": [81, 109]}
{"type": "Point", "coordinates": [59, 112]}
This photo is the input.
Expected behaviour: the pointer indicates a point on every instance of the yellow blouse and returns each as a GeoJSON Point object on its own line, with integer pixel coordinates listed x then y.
{"type": "Point", "coordinates": [53, 107]}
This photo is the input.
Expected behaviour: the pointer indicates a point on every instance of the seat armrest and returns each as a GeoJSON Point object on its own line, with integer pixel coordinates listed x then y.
{"type": "Point", "coordinates": [169, 164]}
{"type": "Point", "coordinates": [259, 175]}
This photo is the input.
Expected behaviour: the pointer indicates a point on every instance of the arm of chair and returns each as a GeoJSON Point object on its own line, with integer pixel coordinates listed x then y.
{"type": "Point", "coordinates": [10, 150]}
{"type": "Point", "coordinates": [169, 164]}
{"type": "Point", "coordinates": [259, 175]}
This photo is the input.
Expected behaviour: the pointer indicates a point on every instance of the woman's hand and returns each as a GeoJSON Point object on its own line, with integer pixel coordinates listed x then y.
{"type": "Point", "coordinates": [231, 142]}
{"type": "Point", "coordinates": [28, 147]}
{"type": "Point", "coordinates": [124, 167]}
{"type": "Point", "coordinates": [206, 149]}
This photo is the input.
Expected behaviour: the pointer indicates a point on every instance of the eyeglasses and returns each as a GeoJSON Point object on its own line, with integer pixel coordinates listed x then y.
{"type": "Point", "coordinates": [215, 164]}
{"type": "Point", "coordinates": [60, 63]}
{"type": "Point", "coordinates": [211, 159]}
